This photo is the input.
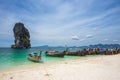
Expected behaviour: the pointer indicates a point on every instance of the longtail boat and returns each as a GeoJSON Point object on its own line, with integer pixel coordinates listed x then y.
{"type": "Point", "coordinates": [55, 53]}
{"type": "Point", "coordinates": [34, 57]}
{"type": "Point", "coordinates": [75, 53]}
{"type": "Point", "coordinates": [72, 53]}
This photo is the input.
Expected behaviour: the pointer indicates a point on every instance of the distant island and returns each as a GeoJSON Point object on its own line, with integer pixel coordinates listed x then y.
{"type": "Point", "coordinates": [22, 36]}
{"type": "Point", "coordinates": [89, 46]}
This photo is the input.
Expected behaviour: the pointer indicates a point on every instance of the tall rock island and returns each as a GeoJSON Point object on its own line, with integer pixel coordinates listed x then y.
{"type": "Point", "coordinates": [22, 36]}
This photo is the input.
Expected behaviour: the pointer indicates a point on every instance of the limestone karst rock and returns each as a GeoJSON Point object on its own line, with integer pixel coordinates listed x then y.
{"type": "Point", "coordinates": [22, 36]}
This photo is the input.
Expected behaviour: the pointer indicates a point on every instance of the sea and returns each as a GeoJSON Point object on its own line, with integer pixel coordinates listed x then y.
{"type": "Point", "coordinates": [13, 58]}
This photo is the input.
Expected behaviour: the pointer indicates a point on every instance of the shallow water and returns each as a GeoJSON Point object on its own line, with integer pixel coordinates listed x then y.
{"type": "Point", "coordinates": [10, 58]}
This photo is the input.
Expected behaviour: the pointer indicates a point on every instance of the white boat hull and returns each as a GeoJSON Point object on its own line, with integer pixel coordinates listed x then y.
{"type": "Point", "coordinates": [34, 58]}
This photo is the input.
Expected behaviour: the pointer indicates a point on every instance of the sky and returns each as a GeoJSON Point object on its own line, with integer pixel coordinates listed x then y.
{"type": "Point", "coordinates": [62, 22]}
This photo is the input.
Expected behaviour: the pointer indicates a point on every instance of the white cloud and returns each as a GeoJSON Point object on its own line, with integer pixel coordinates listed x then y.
{"type": "Point", "coordinates": [89, 36]}
{"type": "Point", "coordinates": [105, 39]}
{"type": "Point", "coordinates": [115, 40]}
{"type": "Point", "coordinates": [82, 39]}
{"type": "Point", "coordinates": [75, 37]}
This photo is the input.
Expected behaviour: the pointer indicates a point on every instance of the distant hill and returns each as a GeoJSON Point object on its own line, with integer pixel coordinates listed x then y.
{"type": "Point", "coordinates": [105, 46]}
{"type": "Point", "coordinates": [90, 46]}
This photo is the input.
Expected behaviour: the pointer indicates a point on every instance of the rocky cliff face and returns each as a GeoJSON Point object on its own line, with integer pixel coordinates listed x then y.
{"type": "Point", "coordinates": [22, 36]}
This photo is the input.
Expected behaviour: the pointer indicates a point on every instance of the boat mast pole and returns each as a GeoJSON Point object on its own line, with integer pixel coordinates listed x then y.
{"type": "Point", "coordinates": [65, 47]}
{"type": "Point", "coordinates": [40, 52]}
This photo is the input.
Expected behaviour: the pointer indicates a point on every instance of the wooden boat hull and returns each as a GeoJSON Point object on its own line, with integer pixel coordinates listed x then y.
{"type": "Point", "coordinates": [75, 54]}
{"type": "Point", "coordinates": [55, 55]}
{"type": "Point", "coordinates": [72, 54]}
{"type": "Point", "coordinates": [34, 58]}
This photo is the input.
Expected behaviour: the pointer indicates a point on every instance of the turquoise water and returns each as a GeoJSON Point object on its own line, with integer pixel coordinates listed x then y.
{"type": "Point", "coordinates": [10, 58]}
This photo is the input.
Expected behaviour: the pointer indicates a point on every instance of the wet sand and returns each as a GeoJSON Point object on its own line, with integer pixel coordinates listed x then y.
{"type": "Point", "coordinates": [106, 67]}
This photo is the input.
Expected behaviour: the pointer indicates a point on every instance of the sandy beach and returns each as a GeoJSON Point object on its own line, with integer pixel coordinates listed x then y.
{"type": "Point", "coordinates": [106, 67]}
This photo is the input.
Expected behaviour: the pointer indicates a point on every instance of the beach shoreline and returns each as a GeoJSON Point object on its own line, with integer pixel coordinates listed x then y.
{"type": "Point", "coordinates": [105, 67]}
